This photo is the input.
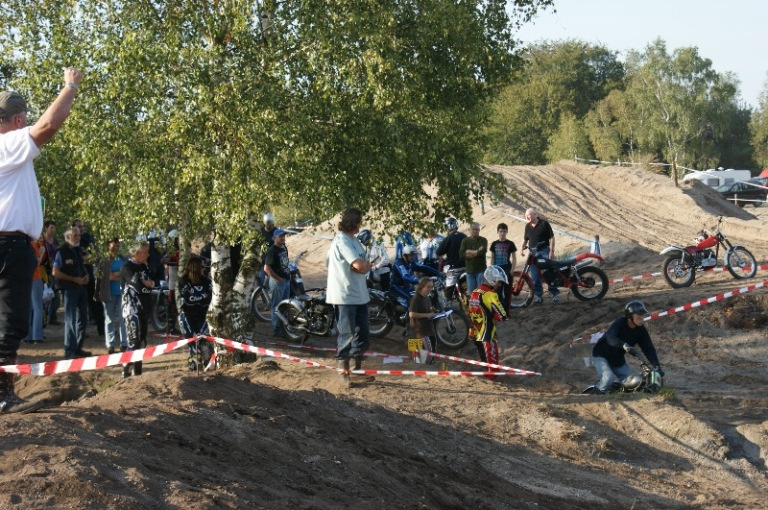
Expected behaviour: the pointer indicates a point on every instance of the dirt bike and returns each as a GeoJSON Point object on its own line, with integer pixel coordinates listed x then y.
{"type": "Point", "coordinates": [161, 316]}
{"type": "Point", "coordinates": [306, 314]}
{"type": "Point", "coordinates": [587, 282]}
{"type": "Point", "coordinates": [261, 298]}
{"type": "Point", "coordinates": [452, 330]}
{"type": "Point", "coordinates": [650, 382]}
{"type": "Point", "coordinates": [682, 263]}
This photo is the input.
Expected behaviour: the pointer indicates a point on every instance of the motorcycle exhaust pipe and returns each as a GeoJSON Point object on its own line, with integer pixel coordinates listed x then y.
{"type": "Point", "coordinates": [282, 318]}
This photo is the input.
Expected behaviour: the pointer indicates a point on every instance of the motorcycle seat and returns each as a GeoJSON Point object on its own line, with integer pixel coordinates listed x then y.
{"type": "Point", "coordinates": [545, 263]}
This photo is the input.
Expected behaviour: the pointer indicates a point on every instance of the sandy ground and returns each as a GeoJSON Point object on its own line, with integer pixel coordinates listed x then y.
{"type": "Point", "coordinates": [280, 435]}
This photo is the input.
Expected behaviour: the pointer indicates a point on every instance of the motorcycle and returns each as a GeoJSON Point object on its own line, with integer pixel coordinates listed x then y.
{"type": "Point", "coordinates": [161, 316]}
{"type": "Point", "coordinates": [682, 263]}
{"type": "Point", "coordinates": [586, 281]}
{"type": "Point", "coordinates": [261, 298]}
{"type": "Point", "coordinates": [306, 314]}
{"type": "Point", "coordinates": [456, 286]}
{"type": "Point", "coordinates": [452, 330]}
{"type": "Point", "coordinates": [650, 382]}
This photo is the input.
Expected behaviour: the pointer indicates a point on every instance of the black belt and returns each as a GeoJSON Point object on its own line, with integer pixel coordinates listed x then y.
{"type": "Point", "coordinates": [14, 233]}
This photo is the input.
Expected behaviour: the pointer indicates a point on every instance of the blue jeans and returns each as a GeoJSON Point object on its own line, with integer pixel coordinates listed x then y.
{"type": "Point", "coordinates": [352, 323]}
{"type": "Point", "coordinates": [75, 319]}
{"type": "Point", "coordinates": [113, 321]}
{"type": "Point", "coordinates": [36, 315]}
{"type": "Point", "coordinates": [53, 305]}
{"type": "Point", "coordinates": [280, 291]}
{"type": "Point", "coordinates": [608, 375]}
{"type": "Point", "coordinates": [538, 290]}
{"type": "Point", "coordinates": [474, 280]}
{"type": "Point", "coordinates": [17, 265]}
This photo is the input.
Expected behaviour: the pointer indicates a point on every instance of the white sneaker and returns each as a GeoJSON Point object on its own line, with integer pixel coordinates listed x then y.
{"type": "Point", "coordinates": [555, 298]}
{"type": "Point", "coordinates": [537, 300]}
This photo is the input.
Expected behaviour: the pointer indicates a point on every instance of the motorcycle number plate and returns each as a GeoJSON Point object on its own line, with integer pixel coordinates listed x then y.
{"type": "Point", "coordinates": [414, 344]}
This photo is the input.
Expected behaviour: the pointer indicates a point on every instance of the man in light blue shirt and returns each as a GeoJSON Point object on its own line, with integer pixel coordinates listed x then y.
{"type": "Point", "coordinates": [348, 268]}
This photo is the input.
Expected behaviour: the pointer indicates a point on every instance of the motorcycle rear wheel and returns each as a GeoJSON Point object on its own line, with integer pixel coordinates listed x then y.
{"type": "Point", "coordinates": [593, 283]}
{"type": "Point", "coordinates": [678, 273]}
{"type": "Point", "coordinates": [453, 331]}
{"type": "Point", "coordinates": [292, 329]}
{"type": "Point", "coordinates": [380, 320]}
{"type": "Point", "coordinates": [261, 304]}
{"type": "Point", "coordinates": [741, 263]}
{"type": "Point", "coordinates": [523, 297]}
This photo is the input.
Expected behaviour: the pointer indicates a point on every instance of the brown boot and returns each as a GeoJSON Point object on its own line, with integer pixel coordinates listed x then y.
{"type": "Point", "coordinates": [343, 365]}
{"type": "Point", "coordinates": [9, 402]}
{"type": "Point", "coordinates": [362, 377]}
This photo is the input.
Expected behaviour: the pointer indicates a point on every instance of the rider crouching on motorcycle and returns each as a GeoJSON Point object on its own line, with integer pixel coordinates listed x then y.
{"type": "Point", "coordinates": [621, 338]}
{"type": "Point", "coordinates": [402, 276]}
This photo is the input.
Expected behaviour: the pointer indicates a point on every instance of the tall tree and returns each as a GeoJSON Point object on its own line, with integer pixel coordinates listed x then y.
{"type": "Point", "coordinates": [758, 128]}
{"type": "Point", "coordinates": [200, 113]}
{"type": "Point", "coordinates": [559, 77]}
{"type": "Point", "coordinates": [679, 102]}
{"type": "Point", "coordinates": [570, 140]}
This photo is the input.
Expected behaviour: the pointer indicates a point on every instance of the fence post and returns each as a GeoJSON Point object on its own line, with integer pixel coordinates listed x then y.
{"type": "Point", "coordinates": [595, 248]}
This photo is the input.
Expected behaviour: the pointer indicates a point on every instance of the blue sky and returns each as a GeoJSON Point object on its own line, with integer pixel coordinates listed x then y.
{"type": "Point", "coordinates": [733, 34]}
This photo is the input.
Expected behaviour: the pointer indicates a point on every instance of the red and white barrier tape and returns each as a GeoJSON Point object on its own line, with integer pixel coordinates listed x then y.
{"type": "Point", "coordinates": [594, 337]}
{"type": "Point", "coordinates": [95, 362]}
{"type": "Point", "coordinates": [762, 267]}
{"type": "Point", "coordinates": [483, 364]}
{"type": "Point", "coordinates": [332, 349]}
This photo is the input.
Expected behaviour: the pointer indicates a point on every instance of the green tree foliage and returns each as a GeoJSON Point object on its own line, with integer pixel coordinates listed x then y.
{"type": "Point", "coordinates": [569, 140]}
{"type": "Point", "coordinates": [559, 78]}
{"type": "Point", "coordinates": [758, 129]}
{"type": "Point", "coordinates": [206, 111]}
{"type": "Point", "coordinates": [682, 105]}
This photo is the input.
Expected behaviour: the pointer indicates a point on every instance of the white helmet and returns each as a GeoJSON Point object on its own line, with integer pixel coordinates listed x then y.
{"type": "Point", "coordinates": [269, 219]}
{"type": "Point", "coordinates": [173, 234]}
{"type": "Point", "coordinates": [408, 250]}
{"type": "Point", "coordinates": [495, 274]}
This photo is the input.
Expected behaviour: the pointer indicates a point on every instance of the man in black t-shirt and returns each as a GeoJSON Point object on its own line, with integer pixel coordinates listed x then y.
{"type": "Point", "coordinates": [539, 236]}
{"type": "Point", "coordinates": [450, 247]}
{"type": "Point", "coordinates": [276, 267]}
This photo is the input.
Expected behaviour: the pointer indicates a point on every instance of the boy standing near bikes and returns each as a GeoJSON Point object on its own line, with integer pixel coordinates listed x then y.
{"type": "Point", "coordinates": [484, 309]}
{"type": "Point", "coordinates": [621, 338]}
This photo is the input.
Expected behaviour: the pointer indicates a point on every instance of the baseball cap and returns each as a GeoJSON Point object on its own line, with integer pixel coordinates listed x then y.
{"type": "Point", "coordinates": [279, 232]}
{"type": "Point", "coordinates": [11, 103]}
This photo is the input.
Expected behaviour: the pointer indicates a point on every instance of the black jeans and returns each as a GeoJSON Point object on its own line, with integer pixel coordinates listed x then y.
{"type": "Point", "coordinates": [17, 265]}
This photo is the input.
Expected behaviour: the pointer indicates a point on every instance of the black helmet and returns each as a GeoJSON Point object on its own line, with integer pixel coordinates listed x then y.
{"type": "Point", "coordinates": [451, 224]}
{"type": "Point", "coordinates": [634, 307]}
{"type": "Point", "coordinates": [364, 237]}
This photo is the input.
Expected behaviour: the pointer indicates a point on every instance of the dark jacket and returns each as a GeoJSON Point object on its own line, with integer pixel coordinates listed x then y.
{"type": "Point", "coordinates": [451, 247]}
{"type": "Point", "coordinates": [611, 344]}
{"type": "Point", "coordinates": [71, 265]}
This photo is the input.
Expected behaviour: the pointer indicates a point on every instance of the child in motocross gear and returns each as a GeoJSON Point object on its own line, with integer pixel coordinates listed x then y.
{"type": "Point", "coordinates": [484, 309]}
{"type": "Point", "coordinates": [196, 291]}
{"type": "Point", "coordinates": [137, 301]}
{"type": "Point", "coordinates": [621, 338]}
{"type": "Point", "coordinates": [420, 312]}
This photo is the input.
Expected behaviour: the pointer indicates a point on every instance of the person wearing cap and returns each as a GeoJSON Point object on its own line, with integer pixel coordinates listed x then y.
{"type": "Point", "coordinates": [276, 268]}
{"type": "Point", "coordinates": [21, 218]}
{"type": "Point", "coordinates": [115, 337]}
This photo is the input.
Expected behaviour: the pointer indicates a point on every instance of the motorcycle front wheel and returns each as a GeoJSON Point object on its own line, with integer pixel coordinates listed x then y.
{"type": "Point", "coordinates": [261, 304]}
{"type": "Point", "coordinates": [380, 319]}
{"type": "Point", "coordinates": [453, 331]}
{"type": "Point", "coordinates": [677, 272]}
{"type": "Point", "coordinates": [592, 284]}
{"type": "Point", "coordinates": [160, 313]}
{"type": "Point", "coordinates": [520, 290]}
{"type": "Point", "coordinates": [293, 329]}
{"type": "Point", "coordinates": [740, 263]}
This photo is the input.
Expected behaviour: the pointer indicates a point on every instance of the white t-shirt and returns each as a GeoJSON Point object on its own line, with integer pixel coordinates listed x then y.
{"type": "Point", "coordinates": [20, 207]}
{"type": "Point", "coordinates": [346, 287]}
